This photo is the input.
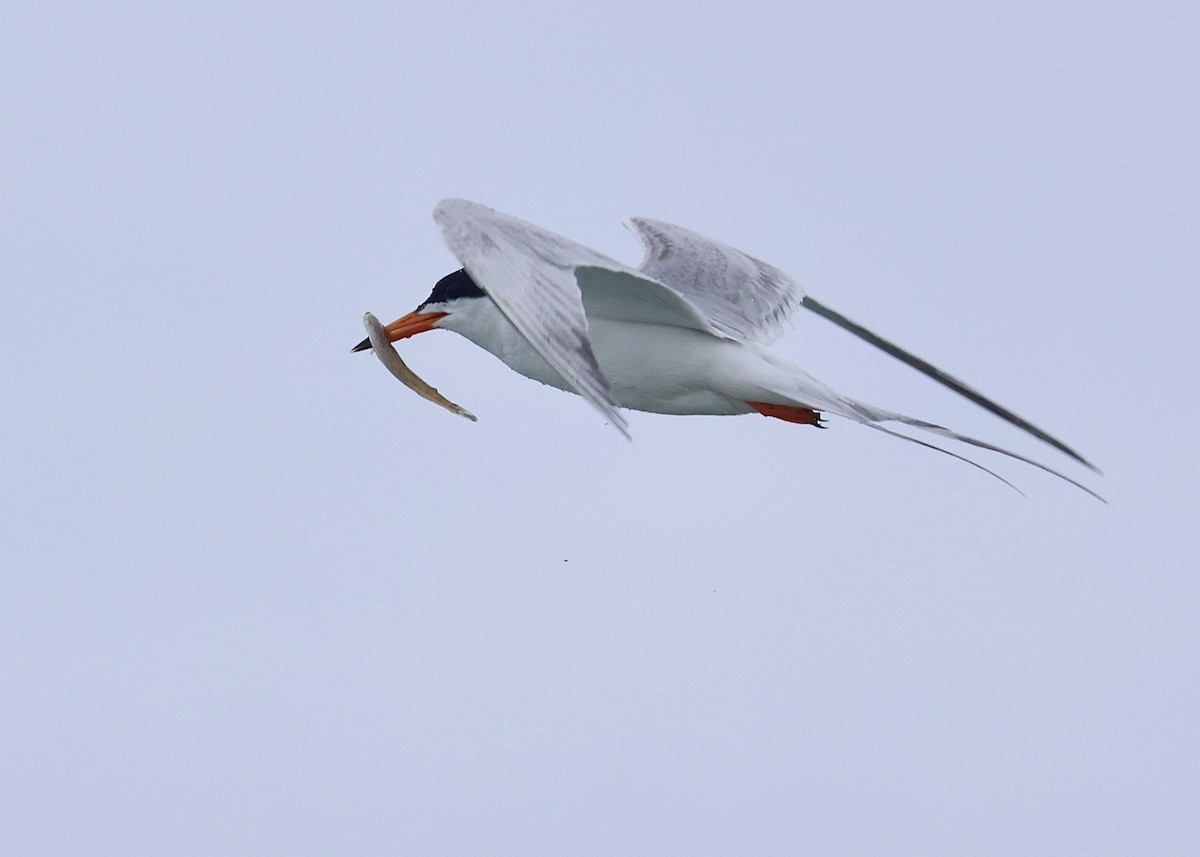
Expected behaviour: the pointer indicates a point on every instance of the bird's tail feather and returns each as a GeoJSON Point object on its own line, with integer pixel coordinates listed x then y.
{"type": "Point", "coordinates": [871, 416]}
{"type": "Point", "coordinates": [937, 448]}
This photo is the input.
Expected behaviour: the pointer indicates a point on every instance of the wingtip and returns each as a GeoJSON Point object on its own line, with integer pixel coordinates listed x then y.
{"type": "Point", "coordinates": [1063, 448]}
{"type": "Point", "coordinates": [620, 424]}
{"type": "Point", "coordinates": [617, 420]}
{"type": "Point", "coordinates": [453, 206]}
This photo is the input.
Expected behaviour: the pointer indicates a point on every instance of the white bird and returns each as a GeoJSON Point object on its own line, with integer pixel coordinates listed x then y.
{"type": "Point", "coordinates": [683, 333]}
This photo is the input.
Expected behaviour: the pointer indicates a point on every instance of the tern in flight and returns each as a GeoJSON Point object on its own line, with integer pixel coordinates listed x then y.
{"type": "Point", "coordinates": [685, 332]}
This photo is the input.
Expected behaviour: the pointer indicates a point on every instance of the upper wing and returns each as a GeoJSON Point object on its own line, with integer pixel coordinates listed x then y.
{"type": "Point", "coordinates": [531, 275]}
{"type": "Point", "coordinates": [741, 296]}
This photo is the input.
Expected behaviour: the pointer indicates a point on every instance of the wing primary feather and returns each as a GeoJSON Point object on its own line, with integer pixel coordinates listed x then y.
{"type": "Point", "coordinates": [945, 379]}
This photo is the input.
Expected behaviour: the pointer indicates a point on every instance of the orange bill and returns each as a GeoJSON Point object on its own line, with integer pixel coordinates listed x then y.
{"type": "Point", "coordinates": [405, 326]}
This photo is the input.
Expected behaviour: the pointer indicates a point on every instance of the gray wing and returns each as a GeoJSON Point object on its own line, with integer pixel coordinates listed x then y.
{"type": "Point", "coordinates": [534, 277]}
{"type": "Point", "coordinates": [741, 296]}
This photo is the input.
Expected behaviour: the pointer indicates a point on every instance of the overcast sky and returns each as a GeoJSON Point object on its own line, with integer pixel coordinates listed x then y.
{"type": "Point", "coordinates": [259, 598]}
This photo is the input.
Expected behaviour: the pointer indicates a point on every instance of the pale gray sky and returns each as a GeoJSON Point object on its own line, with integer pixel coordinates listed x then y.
{"type": "Point", "coordinates": [259, 598]}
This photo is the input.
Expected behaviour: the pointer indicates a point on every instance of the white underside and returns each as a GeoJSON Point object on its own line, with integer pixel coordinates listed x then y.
{"type": "Point", "coordinates": [653, 367]}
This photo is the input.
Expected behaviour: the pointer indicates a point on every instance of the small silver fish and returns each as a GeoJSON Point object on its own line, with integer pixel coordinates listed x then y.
{"type": "Point", "coordinates": [389, 357]}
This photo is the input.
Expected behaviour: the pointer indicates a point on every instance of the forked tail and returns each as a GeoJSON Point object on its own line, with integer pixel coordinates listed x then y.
{"type": "Point", "coordinates": [871, 416]}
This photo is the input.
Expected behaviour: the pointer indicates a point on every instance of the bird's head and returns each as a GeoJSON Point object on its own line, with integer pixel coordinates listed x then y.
{"type": "Point", "coordinates": [453, 291]}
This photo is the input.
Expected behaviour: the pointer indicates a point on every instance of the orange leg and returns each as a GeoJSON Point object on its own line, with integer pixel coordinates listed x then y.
{"type": "Point", "coordinates": [789, 413]}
